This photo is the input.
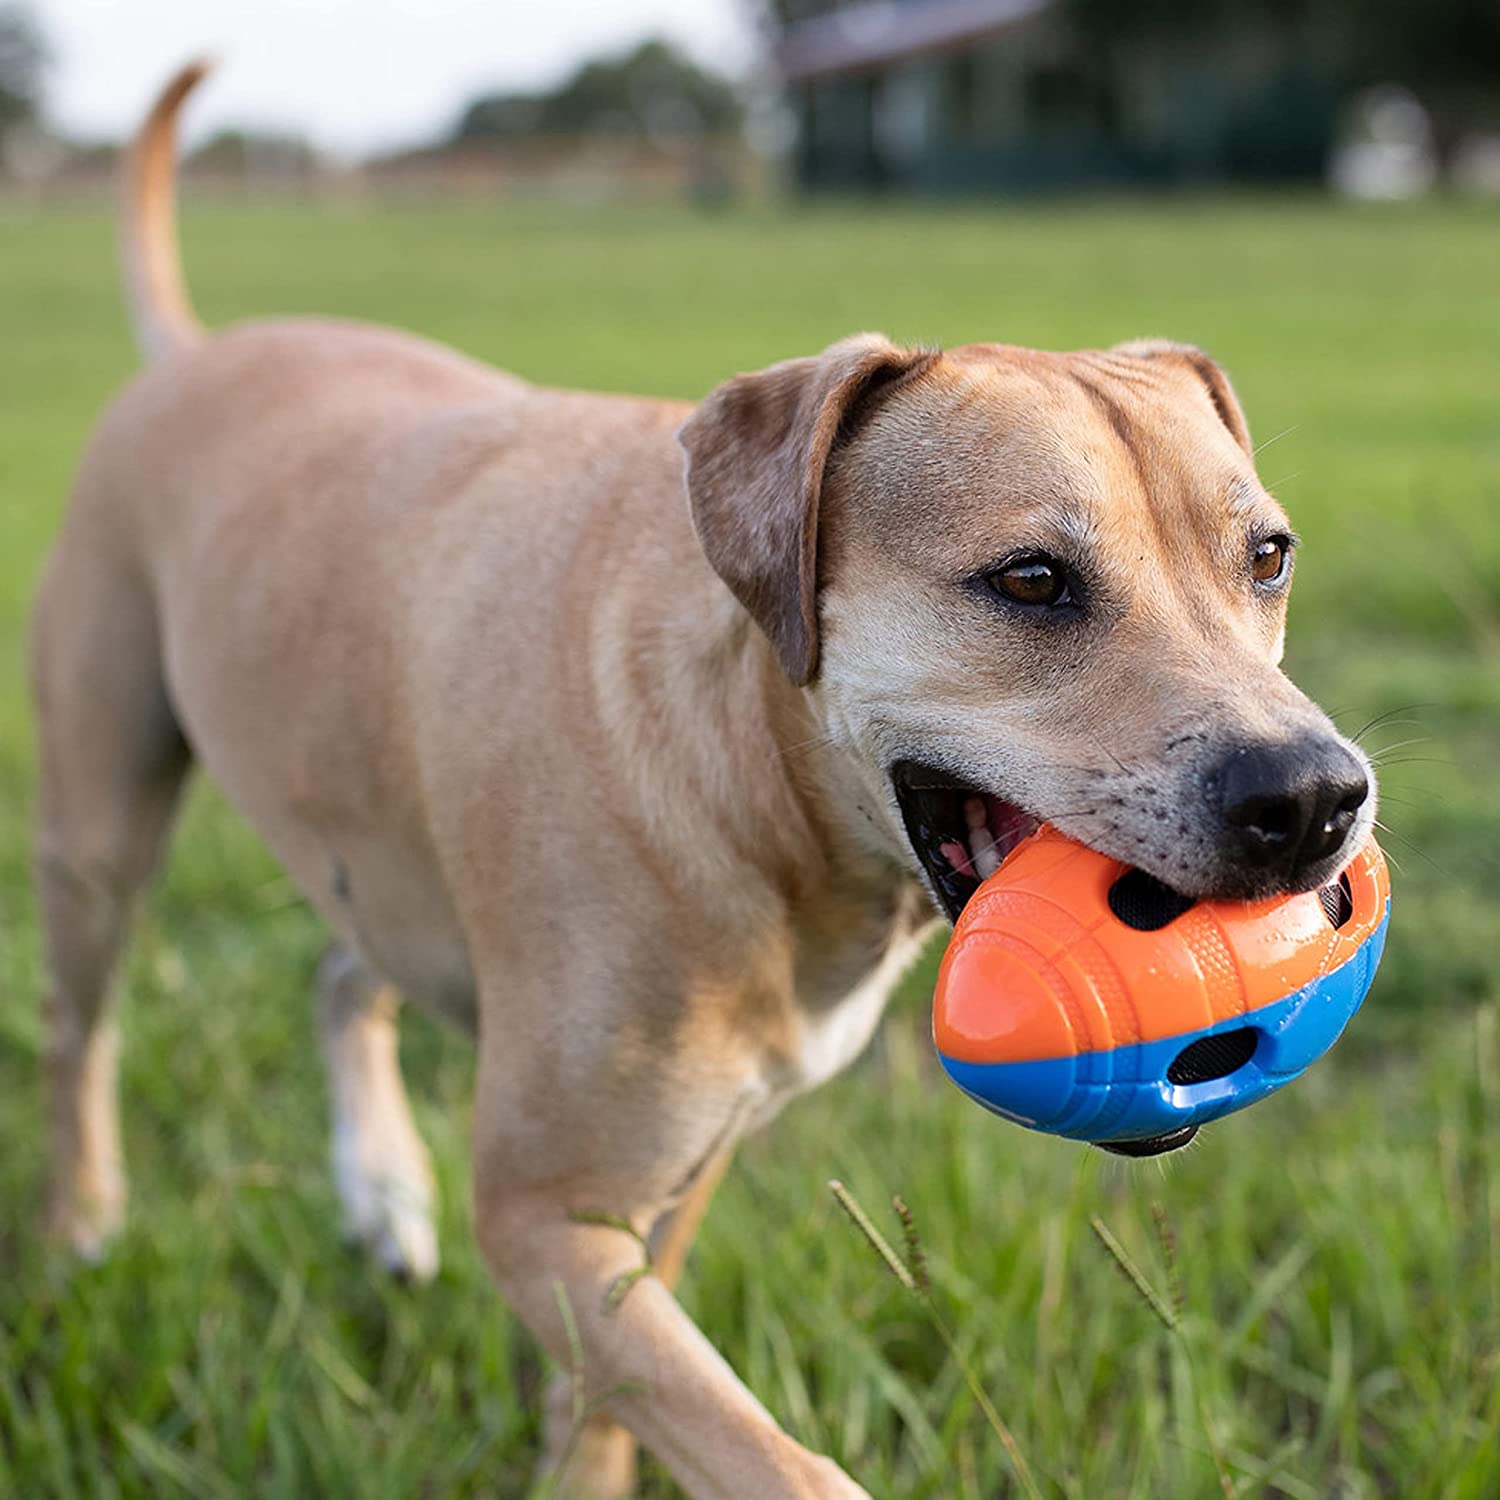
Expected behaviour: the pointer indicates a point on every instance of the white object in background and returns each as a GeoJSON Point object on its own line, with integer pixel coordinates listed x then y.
{"type": "Point", "coordinates": [1389, 151]}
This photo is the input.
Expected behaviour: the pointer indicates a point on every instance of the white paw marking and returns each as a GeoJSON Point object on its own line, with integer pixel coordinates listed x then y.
{"type": "Point", "coordinates": [388, 1208]}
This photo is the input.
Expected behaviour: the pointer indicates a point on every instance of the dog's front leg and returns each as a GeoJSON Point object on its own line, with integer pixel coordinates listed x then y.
{"type": "Point", "coordinates": [598, 1450]}
{"type": "Point", "coordinates": [637, 1353]}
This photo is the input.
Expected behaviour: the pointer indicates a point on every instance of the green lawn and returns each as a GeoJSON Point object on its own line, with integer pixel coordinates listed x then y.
{"type": "Point", "coordinates": [1339, 1249]}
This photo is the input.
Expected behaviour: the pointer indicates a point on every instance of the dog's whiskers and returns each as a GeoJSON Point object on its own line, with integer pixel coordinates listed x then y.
{"type": "Point", "coordinates": [1415, 848]}
{"type": "Point", "coordinates": [1105, 750]}
{"type": "Point", "coordinates": [1285, 432]}
{"type": "Point", "coordinates": [979, 846]}
{"type": "Point", "coordinates": [1406, 801]}
{"type": "Point", "coordinates": [1389, 715]}
{"type": "Point", "coordinates": [1388, 724]}
{"type": "Point", "coordinates": [802, 747]}
{"type": "Point", "coordinates": [1420, 739]}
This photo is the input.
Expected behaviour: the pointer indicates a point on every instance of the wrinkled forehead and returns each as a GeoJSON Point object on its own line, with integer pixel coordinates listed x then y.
{"type": "Point", "coordinates": [1005, 446]}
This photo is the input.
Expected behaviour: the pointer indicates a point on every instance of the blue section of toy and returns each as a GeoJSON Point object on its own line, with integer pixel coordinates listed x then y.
{"type": "Point", "coordinates": [1124, 1093]}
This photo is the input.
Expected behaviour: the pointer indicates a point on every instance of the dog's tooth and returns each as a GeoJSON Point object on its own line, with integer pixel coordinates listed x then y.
{"type": "Point", "coordinates": [981, 840]}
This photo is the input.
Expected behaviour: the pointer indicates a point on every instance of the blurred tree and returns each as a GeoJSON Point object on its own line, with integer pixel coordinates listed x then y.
{"type": "Point", "coordinates": [654, 91]}
{"type": "Point", "coordinates": [23, 62]}
{"type": "Point", "coordinates": [1440, 43]}
{"type": "Point", "coordinates": [242, 153]}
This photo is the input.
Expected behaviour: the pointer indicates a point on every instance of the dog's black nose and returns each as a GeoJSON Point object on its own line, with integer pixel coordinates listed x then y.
{"type": "Point", "coordinates": [1290, 805]}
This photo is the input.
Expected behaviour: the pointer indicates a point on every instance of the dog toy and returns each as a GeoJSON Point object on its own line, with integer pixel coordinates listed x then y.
{"type": "Point", "coordinates": [1086, 999]}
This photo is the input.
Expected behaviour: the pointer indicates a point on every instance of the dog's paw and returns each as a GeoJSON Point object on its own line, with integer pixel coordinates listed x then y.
{"type": "Point", "coordinates": [87, 1234]}
{"type": "Point", "coordinates": [87, 1219]}
{"type": "Point", "coordinates": [389, 1210]}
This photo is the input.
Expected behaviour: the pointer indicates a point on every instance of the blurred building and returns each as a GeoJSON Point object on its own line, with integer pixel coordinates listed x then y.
{"type": "Point", "coordinates": [970, 94]}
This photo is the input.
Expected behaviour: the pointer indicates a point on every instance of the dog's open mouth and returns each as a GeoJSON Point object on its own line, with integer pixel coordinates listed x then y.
{"type": "Point", "coordinates": [960, 832]}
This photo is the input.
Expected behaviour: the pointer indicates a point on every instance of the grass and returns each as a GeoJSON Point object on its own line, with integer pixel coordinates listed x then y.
{"type": "Point", "coordinates": [1337, 1251]}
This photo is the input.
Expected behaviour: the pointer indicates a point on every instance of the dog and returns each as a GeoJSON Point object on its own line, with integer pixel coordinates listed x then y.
{"type": "Point", "coordinates": [646, 740]}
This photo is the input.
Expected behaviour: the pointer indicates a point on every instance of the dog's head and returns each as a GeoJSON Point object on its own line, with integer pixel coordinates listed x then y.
{"type": "Point", "coordinates": [1025, 586]}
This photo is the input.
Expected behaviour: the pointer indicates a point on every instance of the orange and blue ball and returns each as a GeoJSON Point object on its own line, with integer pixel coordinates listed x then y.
{"type": "Point", "coordinates": [1083, 998]}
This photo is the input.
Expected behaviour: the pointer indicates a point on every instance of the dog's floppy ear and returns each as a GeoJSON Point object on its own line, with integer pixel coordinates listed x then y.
{"type": "Point", "coordinates": [756, 451]}
{"type": "Point", "coordinates": [1220, 392]}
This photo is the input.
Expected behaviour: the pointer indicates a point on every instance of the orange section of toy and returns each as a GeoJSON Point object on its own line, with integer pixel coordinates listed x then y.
{"type": "Point", "coordinates": [1039, 966]}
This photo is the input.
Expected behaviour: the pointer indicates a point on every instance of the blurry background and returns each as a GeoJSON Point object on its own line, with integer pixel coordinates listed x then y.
{"type": "Point", "coordinates": [650, 195]}
{"type": "Point", "coordinates": [617, 96]}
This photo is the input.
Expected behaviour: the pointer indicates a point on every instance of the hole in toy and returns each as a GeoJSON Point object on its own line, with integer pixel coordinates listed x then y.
{"type": "Point", "coordinates": [1141, 901]}
{"type": "Point", "coordinates": [1152, 1145]}
{"type": "Point", "coordinates": [1338, 900]}
{"type": "Point", "coordinates": [1215, 1056]}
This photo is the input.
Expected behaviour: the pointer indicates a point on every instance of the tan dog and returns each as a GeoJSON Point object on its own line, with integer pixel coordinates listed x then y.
{"type": "Point", "coordinates": [643, 785]}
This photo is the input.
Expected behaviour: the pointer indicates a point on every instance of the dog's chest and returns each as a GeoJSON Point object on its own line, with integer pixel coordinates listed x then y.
{"type": "Point", "coordinates": [843, 990]}
{"type": "Point", "coordinates": [832, 1039]}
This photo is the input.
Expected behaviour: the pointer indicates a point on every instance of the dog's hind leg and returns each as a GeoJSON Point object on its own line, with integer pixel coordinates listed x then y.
{"type": "Point", "coordinates": [380, 1165]}
{"type": "Point", "coordinates": [112, 764]}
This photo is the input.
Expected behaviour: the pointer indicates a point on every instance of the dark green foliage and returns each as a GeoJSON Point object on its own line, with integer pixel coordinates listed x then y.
{"type": "Point", "coordinates": [1444, 41]}
{"type": "Point", "coordinates": [23, 63]}
{"type": "Point", "coordinates": [654, 92]}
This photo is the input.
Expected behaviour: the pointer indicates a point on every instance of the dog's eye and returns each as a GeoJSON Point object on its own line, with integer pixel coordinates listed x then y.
{"type": "Point", "coordinates": [1269, 559]}
{"type": "Point", "coordinates": [1034, 580]}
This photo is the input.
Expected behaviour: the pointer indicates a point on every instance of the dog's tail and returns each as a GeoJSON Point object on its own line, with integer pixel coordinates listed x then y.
{"type": "Point", "coordinates": [155, 293]}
